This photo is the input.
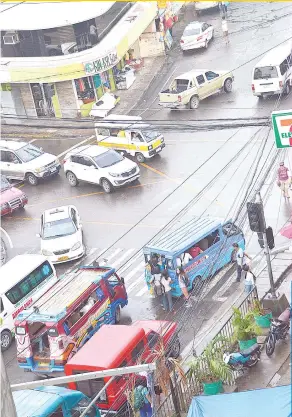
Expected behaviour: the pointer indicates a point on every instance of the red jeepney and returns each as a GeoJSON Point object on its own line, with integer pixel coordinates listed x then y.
{"type": "Point", "coordinates": [117, 347]}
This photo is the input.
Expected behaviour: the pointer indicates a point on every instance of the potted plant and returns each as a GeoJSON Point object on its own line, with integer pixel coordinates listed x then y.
{"type": "Point", "coordinates": [262, 316]}
{"type": "Point", "coordinates": [210, 369]}
{"type": "Point", "coordinates": [245, 329]}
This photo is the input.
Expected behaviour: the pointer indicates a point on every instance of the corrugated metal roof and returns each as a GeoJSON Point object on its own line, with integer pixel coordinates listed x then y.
{"type": "Point", "coordinates": [175, 241]}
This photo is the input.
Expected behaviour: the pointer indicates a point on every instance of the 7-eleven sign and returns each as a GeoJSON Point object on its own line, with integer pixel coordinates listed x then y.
{"type": "Point", "coordinates": [282, 125]}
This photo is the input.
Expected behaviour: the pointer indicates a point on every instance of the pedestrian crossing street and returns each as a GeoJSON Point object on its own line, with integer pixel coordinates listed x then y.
{"type": "Point", "coordinates": [129, 263]}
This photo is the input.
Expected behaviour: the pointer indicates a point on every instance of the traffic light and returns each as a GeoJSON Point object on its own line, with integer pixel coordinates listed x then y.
{"type": "Point", "coordinates": [256, 217]}
{"type": "Point", "coordinates": [270, 237]}
{"type": "Point", "coordinates": [261, 240]}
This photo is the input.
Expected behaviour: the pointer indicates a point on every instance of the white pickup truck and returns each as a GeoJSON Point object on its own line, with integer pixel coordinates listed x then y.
{"type": "Point", "coordinates": [192, 87]}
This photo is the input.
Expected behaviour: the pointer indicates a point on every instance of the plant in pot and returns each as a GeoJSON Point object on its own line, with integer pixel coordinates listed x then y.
{"type": "Point", "coordinates": [262, 316]}
{"type": "Point", "coordinates": [245, 329]}
{"type": "Point", "coordinates": [210, 369]}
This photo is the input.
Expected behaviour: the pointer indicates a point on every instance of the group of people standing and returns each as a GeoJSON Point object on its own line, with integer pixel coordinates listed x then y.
{"type": "Point", "coordinates": [159, 282]}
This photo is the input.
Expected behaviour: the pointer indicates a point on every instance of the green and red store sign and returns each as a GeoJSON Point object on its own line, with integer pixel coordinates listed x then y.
{"type": "Point", "coordinates": [282, 125]}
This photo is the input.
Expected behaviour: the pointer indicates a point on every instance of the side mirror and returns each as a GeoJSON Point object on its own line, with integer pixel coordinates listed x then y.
{"type": "Point", "coordinates": [123, 280]}
{"type": "Point", "coordinates": [38, 235]}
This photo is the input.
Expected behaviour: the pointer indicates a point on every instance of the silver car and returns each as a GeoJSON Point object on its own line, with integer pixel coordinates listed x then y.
{"type": "Point", "coordinates": [24, 161]}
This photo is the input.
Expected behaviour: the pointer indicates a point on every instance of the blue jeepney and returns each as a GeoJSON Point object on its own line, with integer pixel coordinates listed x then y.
{"type": "Point", "coordinates": [52, 401]}
{"type": "Point", "coordinates": [214, 240]}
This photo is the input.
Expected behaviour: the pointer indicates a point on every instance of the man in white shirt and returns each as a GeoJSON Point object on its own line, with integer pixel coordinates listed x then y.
{"type": "Point", "coordinates": [241, 260]}
{"type": "Point", "coordinates": [183, 259]}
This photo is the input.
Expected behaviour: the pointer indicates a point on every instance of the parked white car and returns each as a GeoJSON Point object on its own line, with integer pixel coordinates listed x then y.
{"type": "Point", "coordinates": [206, 5]}
{"type": "Point", "coordinates": [24, 161]}
{"type": "Point", "coordinates": [61, 234]}
{"type": "Point", "coordinates": [104, 105]}
{"type": "Point", "coordinates": [196, 35]}
{"type": "Point", "coordinates": [98, 165]}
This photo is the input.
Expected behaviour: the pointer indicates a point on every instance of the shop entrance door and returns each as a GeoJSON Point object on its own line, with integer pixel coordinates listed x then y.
{"type": "Point", "coordinates": [42, 96]}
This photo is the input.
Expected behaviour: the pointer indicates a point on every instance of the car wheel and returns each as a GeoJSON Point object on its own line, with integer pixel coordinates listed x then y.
{"type": "Point", "coordinates": [206, 44]}
{"type": "Point", "coordinates": [260, 97]}
{"type": "Point", "coordinates": [118, 315]}
{"type": "Point", "coordinates": [106, 186]}
{"type": "Point", "coordinates": [228, 85]}
{"type": "Point", "coordinates": [287, 89]}
{"type": "Point", "coordinates": [194, 102]}
{"type": "Point", "coordinates": [6, 340]}
{"type": "Point", "coordinates": [31, 179]}
{"type": "Point", "coordinates": [72, 179]}
{"type": "Point", "coordinates": [140, 157]}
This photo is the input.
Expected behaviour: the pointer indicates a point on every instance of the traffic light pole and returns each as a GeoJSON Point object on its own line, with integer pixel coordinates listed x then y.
{"type": "Point", "coordinates": [267, 253]}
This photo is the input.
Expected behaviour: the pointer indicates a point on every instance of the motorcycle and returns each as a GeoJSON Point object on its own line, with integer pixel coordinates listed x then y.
{"type": "Point", "coordinates": [278, 331]}
{"type": "Point", "coordinates": [244, 359]}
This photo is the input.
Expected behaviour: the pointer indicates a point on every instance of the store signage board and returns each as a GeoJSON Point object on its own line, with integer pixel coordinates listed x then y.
{"type": "Point", "coordinates": [282, 126]}
{"type": "Point", "coordinates": [101, 64]}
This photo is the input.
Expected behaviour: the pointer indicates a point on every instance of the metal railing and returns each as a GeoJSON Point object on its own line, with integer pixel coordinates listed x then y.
{"type": "Point", "coordinates": [184, 392]}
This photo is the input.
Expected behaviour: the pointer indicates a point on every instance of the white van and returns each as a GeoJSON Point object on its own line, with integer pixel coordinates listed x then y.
{"type": "Point", "coordinates": [24, 279]}
{"type": "Point", "coordinates": [273, 73]}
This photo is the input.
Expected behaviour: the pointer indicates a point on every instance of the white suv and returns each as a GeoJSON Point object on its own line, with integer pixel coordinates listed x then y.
{"type": "Point", "coordinates": [101, 166]}
{"type": "Point", "coordinates": [24, 161]}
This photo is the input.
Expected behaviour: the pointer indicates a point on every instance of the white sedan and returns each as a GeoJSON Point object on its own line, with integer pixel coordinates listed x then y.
{"type": "Point", "coordinates": [61, 234]}
{"type": "Point", "coordinates": [196, 35]}
{"type": "Point", "coordinates": [104, 105]}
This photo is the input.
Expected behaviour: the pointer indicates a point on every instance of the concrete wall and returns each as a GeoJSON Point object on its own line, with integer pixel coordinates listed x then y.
{"type": "Point", "coordinates": [66, 98]}
{"type": "Point", "coordinates": [27, 100]}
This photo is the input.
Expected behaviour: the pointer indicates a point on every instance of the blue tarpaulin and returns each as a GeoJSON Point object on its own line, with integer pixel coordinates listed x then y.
{"type": "Point", "coordinates": [268, 402]}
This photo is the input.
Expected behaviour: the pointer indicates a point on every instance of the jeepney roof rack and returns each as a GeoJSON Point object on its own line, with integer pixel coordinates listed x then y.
{"type": "Point", "coordinates": [53, 305]}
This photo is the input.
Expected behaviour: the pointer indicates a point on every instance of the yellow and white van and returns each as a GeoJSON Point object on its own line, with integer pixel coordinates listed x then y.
{"type": "Point", "coordinates": [130, 135]}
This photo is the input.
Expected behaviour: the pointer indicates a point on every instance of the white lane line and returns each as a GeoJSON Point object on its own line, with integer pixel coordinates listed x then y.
{"type": "Point", "coordinates": [33, 140]}
{"type": "Point", "coordinates": [130, 263]}
{"type": "Point", "coordinates": [75, 146]}
{"type": "Point", "coordinates": [134, 270]}
{"type": "Point", "coordinates": [142, 291]}
{"type": "Point", "coordinates": [120, 260]}
{"type": "Point", "coordinates": [135, 283]}
{"type": "Point", "coordinates": [112, 255]}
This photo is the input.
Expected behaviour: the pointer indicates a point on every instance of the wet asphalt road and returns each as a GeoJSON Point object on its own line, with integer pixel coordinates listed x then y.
{"type": "Point", "coordinates": [254, 29]}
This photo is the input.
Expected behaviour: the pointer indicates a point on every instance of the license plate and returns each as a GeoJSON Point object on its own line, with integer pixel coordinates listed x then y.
{"type": "Point", "coordinates": [158, 149]}
{"type": "Point", "coordinates": [63, 258]}
{"type": "Point", "coordinates": [43, 364]}
{"type": "Point", "coordinates": [53, 169]}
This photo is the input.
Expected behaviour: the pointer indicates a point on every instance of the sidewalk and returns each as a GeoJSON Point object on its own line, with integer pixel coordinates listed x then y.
{"type": "Point", "coordinates": [276, 370]}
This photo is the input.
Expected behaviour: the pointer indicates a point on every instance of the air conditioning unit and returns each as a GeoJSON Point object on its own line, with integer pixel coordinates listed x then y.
{"type": "Point", "coordinates": [10, 38]}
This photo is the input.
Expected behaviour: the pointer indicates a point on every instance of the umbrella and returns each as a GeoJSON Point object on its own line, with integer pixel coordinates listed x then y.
{"type": "Point", "coordinates": [287, 231]}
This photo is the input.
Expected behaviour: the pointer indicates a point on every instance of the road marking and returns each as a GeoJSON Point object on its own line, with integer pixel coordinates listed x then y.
{"type": "Point", "coordinates": [90, 194]}
{"type": "Point", "coordinates": [131, 261]}
{"type": "Point", "coordinates": [112, 255]}
{"type": "Point", "coordinates": [33, 140]}
{"type": "Point", "coordinates": [142, 291]}
{"type": "Point", "coordinates": [135, 283]}
{"type": "Point", "coordinates": [75, 146]}
{"type": "Point", "coordinates": [120, 259]}
{"type": "Point", "coordinates": [159, 172]}
{"type": "Point", "coordinates": [134, 270]}
{"type": "Point", "coordinates": [90, 222]}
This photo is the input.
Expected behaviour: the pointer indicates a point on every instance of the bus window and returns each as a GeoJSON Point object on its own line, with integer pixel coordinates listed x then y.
{"type": "Point", "coordinates": [137, 351]}
{"type": "Point", "coordinates": [57, 413]}
{"type": "Point", "coordinates": [29, 283]}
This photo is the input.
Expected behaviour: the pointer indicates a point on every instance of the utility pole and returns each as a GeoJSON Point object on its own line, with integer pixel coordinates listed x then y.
{"type": "Point", "coordinates": [7, 403]}
{"type": "Point", "coordinates": [267, 250]}
{"type": "Point", "coordinates": [257, 223]}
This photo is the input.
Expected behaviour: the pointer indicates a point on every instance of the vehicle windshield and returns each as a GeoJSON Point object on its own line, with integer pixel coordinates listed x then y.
{"type": "Point", "coordinates": [265, 72]}
{"type": "Point", "coordinates": [28, 152]}
{"type": "Point", "coordinates": [107, 159]}
{"type": "Point", "coordinates": [150, 135]}
{"type": "Point", "coordinates": [4, 184]}
{"type": "Point", "coordinates": [191, 31]}
{"type": "Point", "coordinates": [58, 228]}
